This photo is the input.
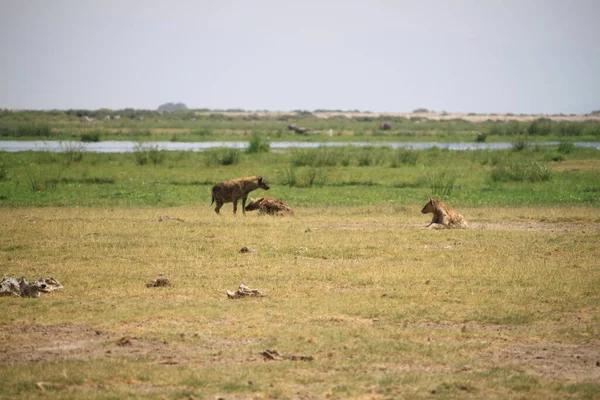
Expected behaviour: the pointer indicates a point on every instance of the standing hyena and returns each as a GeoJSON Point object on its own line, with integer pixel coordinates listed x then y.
{"type": "Point", "coordinates": [443, 216]}
{"type": "Point", "coordinates": [269, 206]}
{"type": "Point", "coordinates": [236, 189]}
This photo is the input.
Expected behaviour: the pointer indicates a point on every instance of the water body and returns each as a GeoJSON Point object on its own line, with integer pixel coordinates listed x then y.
{"type": "Point", "coordinates": [129, 147]}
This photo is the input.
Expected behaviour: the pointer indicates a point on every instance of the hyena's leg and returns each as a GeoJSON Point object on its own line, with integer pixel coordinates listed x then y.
{"type": "Point", "coordinates": [244, 205]}
{"type": "Point", "coordinates": [219, 205]}
{"type": "Point", "coordinates": [434, 225]}
{"type": "Point", "coordinates": [234, 206]}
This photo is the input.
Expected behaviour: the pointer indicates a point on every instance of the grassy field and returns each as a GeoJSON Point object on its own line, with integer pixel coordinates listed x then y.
{"type": "Point", "coordinates": [385, 308]}
{"type": "Point", "coordinates": [378, 306]}
{"type": "Point", "coordinates": [329, 177]}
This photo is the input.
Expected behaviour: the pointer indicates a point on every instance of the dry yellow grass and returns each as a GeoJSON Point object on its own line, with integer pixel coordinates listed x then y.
{"type": "Point", "coordinates": [508, 308]}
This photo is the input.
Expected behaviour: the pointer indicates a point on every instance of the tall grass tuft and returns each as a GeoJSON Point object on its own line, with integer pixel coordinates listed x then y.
{"type": "Point", "coordinates": [441, 182]}
{"type": "Point", "coordinates": [222, 156]}
{"type": "Point", "coordinates": [258, 144]}
{"type": "Point", "coordinates": [72, 151]}
{"type": "Point", "coordinates": [404, 157]}
{"type": "Point", "coordinates": [531, 171]}
{"type": "Point", "coordinates": [146, 154]}
{"type": "Point", "coordinates": [566, 147]}
{"type": "Point", "coordinates": [40, 181]}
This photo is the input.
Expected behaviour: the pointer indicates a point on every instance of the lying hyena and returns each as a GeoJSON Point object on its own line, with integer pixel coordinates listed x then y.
{"type": "Point", "coordinates": [269, 206]}
{"type": "Point", "coordinates": [443, 216]}
{"type": "Point", "coordinates": [236, 189]}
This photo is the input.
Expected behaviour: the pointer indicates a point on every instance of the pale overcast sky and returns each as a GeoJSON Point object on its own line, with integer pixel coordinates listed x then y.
{"type": "Point", "coordinates": [529, 56]}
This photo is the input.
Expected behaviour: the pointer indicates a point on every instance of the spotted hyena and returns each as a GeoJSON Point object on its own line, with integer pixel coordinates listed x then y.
{"type": "Point", "coordinates": [443, 216]}
{"type": "Point", "coordinates": [235, 189]}
{"type": "Point", "coordinates": [269, 206]}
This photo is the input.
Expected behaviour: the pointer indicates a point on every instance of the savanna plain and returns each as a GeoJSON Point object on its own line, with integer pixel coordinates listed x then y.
{"type": "Point", "coordinates": [360, 300]}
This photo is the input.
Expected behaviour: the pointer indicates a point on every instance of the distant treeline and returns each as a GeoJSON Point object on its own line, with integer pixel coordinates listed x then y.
{"type": "Point", "coordinates": [34, 123]}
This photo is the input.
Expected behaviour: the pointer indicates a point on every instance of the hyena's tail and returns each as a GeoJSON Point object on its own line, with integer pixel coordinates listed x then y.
{"type": "Point", "coordinates": [213, 200]}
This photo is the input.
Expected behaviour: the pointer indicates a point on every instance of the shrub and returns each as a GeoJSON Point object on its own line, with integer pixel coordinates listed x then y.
{"type": "Point", "coordinates": [566, 147]}
{"type": "Point", "coordinates": [481, 137]}
{"type": "Point", "coordinates": [519, 144]}
{"type": "Point", "coordinates": [258, 144]}
{"type": "Point", "coordinates": [90, 137]}
{"type": "Point", "coordinates": [541, 126]}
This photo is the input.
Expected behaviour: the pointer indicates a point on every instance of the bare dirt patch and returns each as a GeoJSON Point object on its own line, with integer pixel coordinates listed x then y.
{"type": "Point", "coordinates": [525, 226]}
{"type": "Point", "coordinates": [535, 226]}
{"type": "Point", "coordinates": [38, 343]}
{"type": "Point", "coordinates": [574, 362]}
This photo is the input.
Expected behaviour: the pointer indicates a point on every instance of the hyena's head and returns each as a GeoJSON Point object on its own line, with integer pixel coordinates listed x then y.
{"type": "Point", "coordinates": [254, 204]}
{"type": "Point", "coordinates": [262, 183]}
{"type": "Point", "coordinates": [429, 206]}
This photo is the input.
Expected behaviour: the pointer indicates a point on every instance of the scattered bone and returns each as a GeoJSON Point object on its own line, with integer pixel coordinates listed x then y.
{"type": "Point", "coordinates": [275, 355]}
{"type": "Point", "coordinates": [246, 250]}
{"type": "Point", "coordinates": [160, 282]}
{"type": "Point", "coordinates": [22, 288]}
{"type": "Point", "coordinates": [43, 385]}
{"type": "Point", "coordinates": [167, 217]}
{"type": "Point", "coordinates": [244, 291]}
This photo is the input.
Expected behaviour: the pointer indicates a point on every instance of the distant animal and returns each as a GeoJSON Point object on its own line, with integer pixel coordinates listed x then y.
{"type": "Point", "coordinates": [235, 189]}
{"type": "Point", "coordinates": [117, 117]}
{"type": "Point", "coordinates": [107, 118]}
{"type": "Point", "coordinates": [386, 126]}
{"type": "Point", "coordinates": [269, 206]}
{"type": "Point", "coordinates": [85, 120]}
{"type": "Point", "coordinates": [293, 127]}
{"type": "Point", "coordinates": [302, 131]}
{"type": "Point", "coordinates": [443, 216]}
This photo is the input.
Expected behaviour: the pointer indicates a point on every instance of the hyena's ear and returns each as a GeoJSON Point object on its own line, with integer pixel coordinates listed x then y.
{"type": "Point", "coordinates": [433, 202]}
{"type": "Point", "coordinates": [260, 179]}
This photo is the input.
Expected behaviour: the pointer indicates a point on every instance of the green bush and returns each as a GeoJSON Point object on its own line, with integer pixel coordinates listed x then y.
{"type": "Point", "coordinates": [481, 137]}
{"type": "Point", "coordinates": [90, 137]}
{"type": "Point", "coordinates": [541, 126]}
{"type": "Point", "coordinates": [566, 148]}
{"type": "Point", "coordinates": [258, 144]}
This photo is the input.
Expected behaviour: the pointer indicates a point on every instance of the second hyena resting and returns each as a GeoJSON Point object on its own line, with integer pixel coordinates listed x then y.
{"type": "Point", "coordinates": [269, 206]}
{"type": "Point", "coordinates": [235, 189]}
{"type": "Point", "coordinates": [443, 216]}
